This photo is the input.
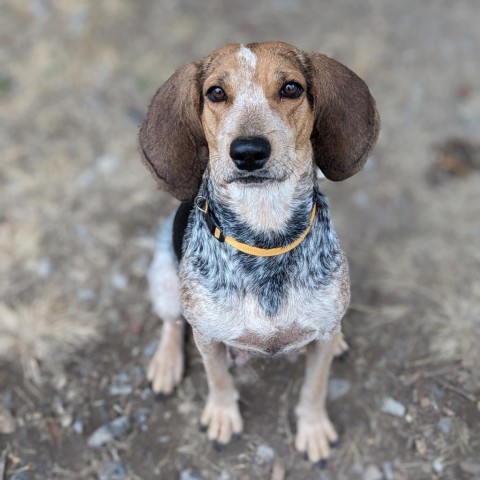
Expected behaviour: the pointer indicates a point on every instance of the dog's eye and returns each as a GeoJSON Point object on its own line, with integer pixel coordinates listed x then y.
{"type": "Point", "coordinates": [291, 90]}
{"type": "Point", "coordinates": [216, 94]}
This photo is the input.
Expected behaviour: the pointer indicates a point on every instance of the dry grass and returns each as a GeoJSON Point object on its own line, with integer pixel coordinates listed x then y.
{"type": "Point", "coordinates": [44, 333]}
{"type": "Point", "coordinates": [429, 265]}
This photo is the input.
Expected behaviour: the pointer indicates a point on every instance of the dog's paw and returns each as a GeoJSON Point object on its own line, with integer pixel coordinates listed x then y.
{"type": "Point", "coordinates": [315, 437]}
{"type": "Point", "coordinates": [221, 420]}
{"type": "Point", "coordinates": [166, 368]}
{"type": "Point", "coordinates": [341, 347]}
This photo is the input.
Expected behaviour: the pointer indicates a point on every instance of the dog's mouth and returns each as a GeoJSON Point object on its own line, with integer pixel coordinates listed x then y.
{"type": "Point", "coordinates": [254, 179]}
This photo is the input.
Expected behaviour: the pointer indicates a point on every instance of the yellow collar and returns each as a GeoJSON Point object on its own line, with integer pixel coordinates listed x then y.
{"type": "Point", "coordinates": [248, 249]}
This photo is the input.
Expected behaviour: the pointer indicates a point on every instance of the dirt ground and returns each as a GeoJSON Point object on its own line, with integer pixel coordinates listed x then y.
{"type": "Point", "coordinates": [78, 215]}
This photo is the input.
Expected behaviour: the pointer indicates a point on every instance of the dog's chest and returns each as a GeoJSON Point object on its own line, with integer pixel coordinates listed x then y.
{"type": "Point", "coordinates": [269, 305]}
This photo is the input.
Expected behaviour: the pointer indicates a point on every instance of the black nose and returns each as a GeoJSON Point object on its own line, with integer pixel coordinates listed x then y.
{"type": "Point", "coordinates": [250, 153]}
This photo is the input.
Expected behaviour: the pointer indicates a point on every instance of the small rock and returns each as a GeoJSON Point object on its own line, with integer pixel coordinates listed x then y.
{"type": "Point", "coordinates": [119, 280]}
{"type": "Point", "coordinates": [445, 425]}
{"type": "Point", "coordinates": [393, 407]}
{"type": "Point", "coordinates": [189, 475]}
{"type": "Point", "coordinates": [387, 468]}
{"type": "Point", "coordinates": [140, 418]}
{"type": "Point", "coordinates": [112, 471]}
{"type": "Point", "coordinates": [438, 466]}
{"type": "Point", "coordinates": [78, 426]}
{"type": "Point", "coordinates": [163, 439]}
{"type": "Point", "coordinates": [146, 393]}
{"type": "Point", "coordinates": [122, 377]}
{"type": "Point", "coordinates": [470, 467]}
{"type": "Point", "coordinates": [264, 455]}
{"type": "Point", "coordinates": [116, 390]}
{"type": "Point", "coordinates": [108, 432]}
{"type": "Point", "coordinates": [107, 163]}
{"type": "Point", "coordinates": [44, 268]}
{"type": "Point", "coordinates": [7, 422]}
{"type": "Point", "coordinates": [86, 294]}
{"type": "Point", "coordinates": [337, 388]}
{"type": "Point", "coordinates": [372, 472]}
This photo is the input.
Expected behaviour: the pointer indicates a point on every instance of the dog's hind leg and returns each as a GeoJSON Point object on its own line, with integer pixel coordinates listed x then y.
{"type": "Point", "coordinates": [167, 365]}
{"type": "Point", "coordinates": [315, 432]}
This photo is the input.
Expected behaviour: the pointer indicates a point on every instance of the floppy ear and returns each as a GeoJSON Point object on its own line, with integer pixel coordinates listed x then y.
{"type": "Point", "coordinates": [171, 139]}
{"type": "Point", "coordinates": [346, 121]}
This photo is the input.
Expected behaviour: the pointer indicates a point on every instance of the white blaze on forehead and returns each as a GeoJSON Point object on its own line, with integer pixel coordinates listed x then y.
{"type": "Point", "coordinates": [247, 55]}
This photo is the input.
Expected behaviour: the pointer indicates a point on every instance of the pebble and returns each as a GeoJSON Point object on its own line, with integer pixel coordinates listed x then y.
{"type": "Point", "coordinates": [140, 418]}
{"type": "Point", "coordinates": [107, 163]}
{"type": "Point", "coordinates": [372, 472]}
{"type": "Point", "coordinates": [189, 475]}
{"type": "Point", "coordinates": [44, 268]}
{"type": "Point", "coordinates": [116, 390]}
{"type": "Point", "coordinates": [119, 280]}
{"type": "Point", "coordinates": [337, 388]}
{"type": "Point", "coordinates": [108, 432]}
{"type": "Point", "coordinates": [163, 439]}
{"type": "Point", "coordinates": [393, 407]}
{"type": "Point", "coordinates": [112, 471]}
{"type": "Point", "coordinates": [264, 455]}
{"type": "Point", "coordinates": [445, 425]}
{"type": "Point", "coordinates": [78, 427]}
{"type": "Point", "coordinates": [387, 468]}
{"type": "Point", "coordinates": [122, 377]}
{"type": "Point", "coordinates": [438, 466]}
{"type": "Point", "coordinates": [86, 294]}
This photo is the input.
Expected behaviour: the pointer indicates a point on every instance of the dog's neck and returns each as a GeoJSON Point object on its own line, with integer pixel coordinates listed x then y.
{"type": "Point", "coordinates": [269, 214]}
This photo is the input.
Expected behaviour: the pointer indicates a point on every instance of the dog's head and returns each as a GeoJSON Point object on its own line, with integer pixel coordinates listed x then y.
{"type": "Point", "coordinates": [255, 114]}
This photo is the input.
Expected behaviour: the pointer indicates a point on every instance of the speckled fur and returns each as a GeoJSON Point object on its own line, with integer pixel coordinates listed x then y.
{"type": "Point", "coordinates": [265, 304]}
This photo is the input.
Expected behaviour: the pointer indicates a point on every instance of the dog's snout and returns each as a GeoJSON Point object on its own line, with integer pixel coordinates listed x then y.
{"type": "Point", "coordinates": [250, 153]}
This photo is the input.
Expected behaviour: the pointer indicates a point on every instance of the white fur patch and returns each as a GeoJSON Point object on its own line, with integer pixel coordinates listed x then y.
{"type": "Point", "coordinates": [267, 207]}
{"type": "Point", "coordinates": [248, 56]}
{"type": "Point", "coordinates": [163, 276]}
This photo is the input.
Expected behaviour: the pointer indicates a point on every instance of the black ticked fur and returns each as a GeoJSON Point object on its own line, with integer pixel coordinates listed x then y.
{"type": "Point", "coordinates": [223, 270]}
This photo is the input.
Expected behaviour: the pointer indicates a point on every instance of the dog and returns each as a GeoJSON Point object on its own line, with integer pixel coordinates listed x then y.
{"type": "Point", "coordinates": [250, 259]}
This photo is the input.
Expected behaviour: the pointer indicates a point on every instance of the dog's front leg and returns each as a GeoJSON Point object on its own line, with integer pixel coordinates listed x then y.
{"type": "Point", "coordinates": [315, 432]}
{"type": "Point", "coordinates": [221, 416]}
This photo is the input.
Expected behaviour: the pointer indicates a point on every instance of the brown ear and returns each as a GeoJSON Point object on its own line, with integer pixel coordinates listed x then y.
{"type": "Point", "coordinates": [346, 120]}
{"type": "Point", "coordinates": [171, 139]}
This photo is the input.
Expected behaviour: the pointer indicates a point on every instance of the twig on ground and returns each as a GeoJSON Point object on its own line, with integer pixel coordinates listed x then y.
{"type": "Point", "coordinates": [458, 390]}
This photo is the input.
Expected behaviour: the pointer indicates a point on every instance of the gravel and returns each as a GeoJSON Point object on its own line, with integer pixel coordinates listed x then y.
{"type": "Point", "coordinates": [264, 455]}
{"type": "Point", "coordinates": [112, 471]}
{"type": "Point", "coordinates": [392, 407]}
{"type": "Point", "coordinates": [108, 432]}
{"type": "Point", "coordinates": [189, 475]}
{"type": "Point", "coordinates": [372, 472]}
{"type": "Point", "coordinates": [445, 425]}
{"type": "Point", "coordinates": [337, 388]}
